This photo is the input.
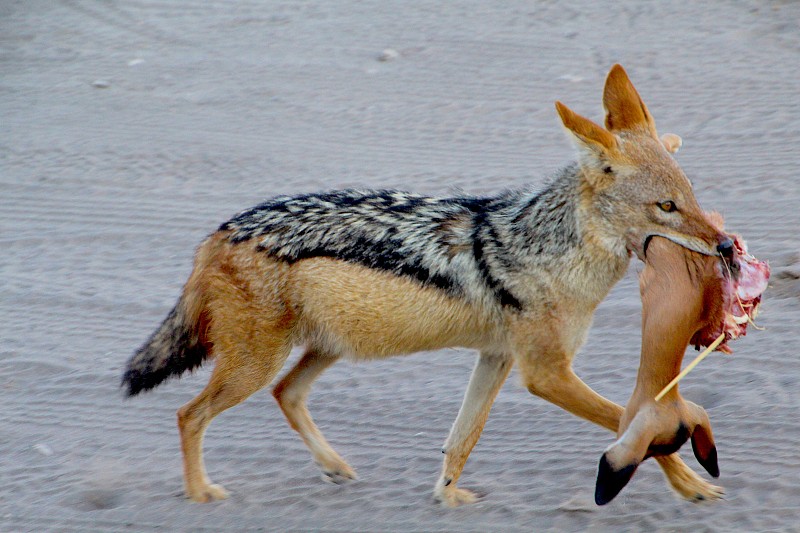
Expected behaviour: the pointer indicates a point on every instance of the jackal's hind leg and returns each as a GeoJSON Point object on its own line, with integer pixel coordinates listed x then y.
{"type": "Point", "coordinates": [488, 376]}
{"type": "Point", "coordinates": [241, 370]}
{"type": "Point", "coordinates": [291, 393]}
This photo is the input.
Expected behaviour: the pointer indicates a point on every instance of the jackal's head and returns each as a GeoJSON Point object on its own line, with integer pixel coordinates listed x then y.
{"type": "Point", "coordinates": [635, 189]}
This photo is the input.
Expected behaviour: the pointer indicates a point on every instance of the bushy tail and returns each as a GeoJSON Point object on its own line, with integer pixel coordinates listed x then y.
{"type": "Point", "coordinates": [175, 347]}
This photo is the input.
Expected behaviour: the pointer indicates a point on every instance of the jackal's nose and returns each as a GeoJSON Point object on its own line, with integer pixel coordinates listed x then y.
{"type": "Point", "coordinates": [725, 248]}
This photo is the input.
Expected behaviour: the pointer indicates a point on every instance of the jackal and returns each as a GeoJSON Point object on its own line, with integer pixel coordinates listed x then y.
{"type": "Point", "coordinates": [369, 274]}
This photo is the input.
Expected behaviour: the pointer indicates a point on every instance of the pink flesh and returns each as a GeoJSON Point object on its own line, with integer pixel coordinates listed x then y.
{"type": "Point", "coordinates": [741, 298]}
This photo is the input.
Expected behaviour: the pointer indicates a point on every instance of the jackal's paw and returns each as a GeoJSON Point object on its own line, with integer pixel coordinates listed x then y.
{"type": "Point", "coordinates": [338, 472]}
{"type": "Point", "coordinates": [451, 496]}
{"type": "Point", "coordinates": [690, 486]}
{"type": "Point", "coordinates": [700, 490]}
{"type": "Point", "coordinates": [207, 493]}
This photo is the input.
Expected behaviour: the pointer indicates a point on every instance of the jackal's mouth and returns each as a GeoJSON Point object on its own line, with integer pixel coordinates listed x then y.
{"type": "Point", "coordinates": [645, 245]}
{"type": "Point", "coordinates": [639, 247]}
{"type": "Point", "coordinates": [695, 245]}
{"type": "Point", "coordinates": [636, 244]}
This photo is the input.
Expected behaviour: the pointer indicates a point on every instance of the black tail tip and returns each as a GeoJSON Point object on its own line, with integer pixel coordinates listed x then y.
{"type": "Point", "coordinates": [610, 482]}
{"type": "Point", "coordinates": [127, 386]}
{"type": "Point", "coordinates": [134, 382]}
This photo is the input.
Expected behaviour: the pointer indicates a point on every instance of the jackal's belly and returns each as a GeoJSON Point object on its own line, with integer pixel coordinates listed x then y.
{"type": "Point", "coordinates": [359, 312]}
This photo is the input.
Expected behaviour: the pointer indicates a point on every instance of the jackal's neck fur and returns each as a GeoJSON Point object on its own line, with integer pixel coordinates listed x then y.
{"type": "Point", "coordinates": [514, 250]}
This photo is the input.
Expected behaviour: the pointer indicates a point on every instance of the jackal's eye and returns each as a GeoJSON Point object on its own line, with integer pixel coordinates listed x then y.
{"type": "Point", "coordinates": [668, 206]}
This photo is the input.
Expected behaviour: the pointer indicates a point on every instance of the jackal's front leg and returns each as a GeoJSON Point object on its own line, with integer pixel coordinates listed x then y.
{"type": "Point", "coordinates": [488, 376]}
{"type": "Point", "coordinates": [558, 384]}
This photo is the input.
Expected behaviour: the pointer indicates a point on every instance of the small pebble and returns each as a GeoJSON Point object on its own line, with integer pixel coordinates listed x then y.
{"type": "Point", "coordinates": [43, 449]}
{"type": "Point", "coordinates": [388, 55]}
{"type": "Point", "coordinates": [134, 62]}
{"type": "Point", "coordinates": [100, 84]}
{"type": "Point", "coordinates": [578, 504]}
{"type": "Point", "coordinates": [789, 272]}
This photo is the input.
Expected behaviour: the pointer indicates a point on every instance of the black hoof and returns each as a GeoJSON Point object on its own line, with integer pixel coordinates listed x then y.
{"type": "Point", "coordinates": [709, 462]}
{"type": "Point", "coordinates": [610, 482]}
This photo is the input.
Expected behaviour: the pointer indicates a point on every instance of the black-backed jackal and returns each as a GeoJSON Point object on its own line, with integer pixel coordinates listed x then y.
{"type": "Point", "coordinates": [370, 274]}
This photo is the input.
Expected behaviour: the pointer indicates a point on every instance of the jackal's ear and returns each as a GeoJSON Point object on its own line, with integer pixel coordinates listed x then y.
{"type": "Point", "coordinates": [587, 133]}
{"type": "Point", "coordinates": [625, 110]}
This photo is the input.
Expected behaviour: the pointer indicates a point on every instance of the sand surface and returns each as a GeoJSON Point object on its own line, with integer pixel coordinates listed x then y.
{"type": "Point", "coordinates": [129, 130]}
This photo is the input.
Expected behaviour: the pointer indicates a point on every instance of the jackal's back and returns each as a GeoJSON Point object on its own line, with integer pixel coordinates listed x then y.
{"type": "Point", "coordinates": [437, 241]}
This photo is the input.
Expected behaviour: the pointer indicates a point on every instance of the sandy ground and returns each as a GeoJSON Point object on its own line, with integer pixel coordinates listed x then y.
{"type": "Point", "coordinates": [131, 129]}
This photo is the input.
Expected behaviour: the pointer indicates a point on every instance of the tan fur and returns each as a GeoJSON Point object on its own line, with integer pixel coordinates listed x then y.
{"type": "Point", "coordinates": [364, 313]}
{"type": "Point", "coordinates": [251, 309]}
